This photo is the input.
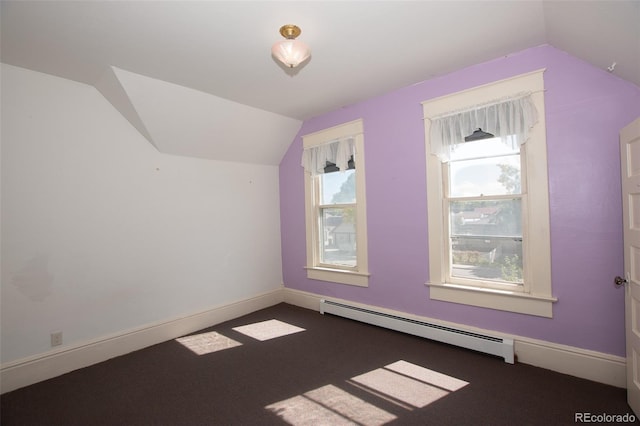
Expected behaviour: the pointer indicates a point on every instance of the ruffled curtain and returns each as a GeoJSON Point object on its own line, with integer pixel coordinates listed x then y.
{"type": "Point", "coordinates": [338, 152]}
{"type": "Point", "coordinates": [512, 116]}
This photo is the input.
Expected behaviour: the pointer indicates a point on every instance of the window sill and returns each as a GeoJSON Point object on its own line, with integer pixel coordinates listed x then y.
{"type": "Point", "coordinates": [338, 276]}
{"type": "Point", "coordinates": [522, 303]}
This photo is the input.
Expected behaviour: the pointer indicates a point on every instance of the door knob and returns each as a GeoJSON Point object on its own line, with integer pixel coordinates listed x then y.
{"type": "Point", "coordinates": [619, 281]}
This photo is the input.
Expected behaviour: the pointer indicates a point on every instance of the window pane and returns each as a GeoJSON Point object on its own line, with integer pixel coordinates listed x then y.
{"type": "Point", "coordinates": [485, 148]}
{"type": "Point", "coordinates": [338, 236]}
{"type": "Point", "coordinates": [485, 176]}
{"type": "Point", "coordinates": [486, 218]}
{"type": "Point", "coordinates": [487, 259]}
{"type": "Point", "coordinates": [486, 239]}
{"type": "Point", "coordinates": [338, 187]}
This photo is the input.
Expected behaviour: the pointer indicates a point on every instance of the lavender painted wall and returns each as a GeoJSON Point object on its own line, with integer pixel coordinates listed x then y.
{"type": "Point", "coordinates": [585, 109]}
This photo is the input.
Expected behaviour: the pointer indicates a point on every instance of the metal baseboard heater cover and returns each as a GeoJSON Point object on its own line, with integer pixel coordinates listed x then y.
{"type": "Point", "coordinates": [492, 345]}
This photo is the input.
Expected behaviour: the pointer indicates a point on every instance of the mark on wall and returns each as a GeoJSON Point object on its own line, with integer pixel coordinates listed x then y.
{"type": "Point", "coordinates": [34, 279]}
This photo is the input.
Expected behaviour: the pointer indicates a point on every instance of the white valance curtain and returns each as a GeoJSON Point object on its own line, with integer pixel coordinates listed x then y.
{"type": "Point", "coordinates": [338, 152]}
{"type": "Point", "coordinates": [512, 116]}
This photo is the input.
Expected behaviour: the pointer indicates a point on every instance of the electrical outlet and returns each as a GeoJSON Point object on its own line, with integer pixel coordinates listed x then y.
{"type": "Point", "coordinates": [56, 338]}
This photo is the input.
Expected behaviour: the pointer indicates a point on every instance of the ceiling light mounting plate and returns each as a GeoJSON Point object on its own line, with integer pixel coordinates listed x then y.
{"type": "Point", "coordinates": [290, 31]}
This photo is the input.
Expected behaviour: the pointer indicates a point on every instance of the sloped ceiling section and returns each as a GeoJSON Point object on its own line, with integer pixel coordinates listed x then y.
{"type": "Point", "coordinates": [599, 32]}
{"type": "Point", "coordinates": [110, 87]}
{"type": "Point", "coordinates": [183, 121]}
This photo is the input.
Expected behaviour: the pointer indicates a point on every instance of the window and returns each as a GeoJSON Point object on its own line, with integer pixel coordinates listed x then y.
{"type": "Point", "coordinates": [483, 204]}
{"type": "Point", "coordinates": [488, 205]}
{"type": "Point", "coordinates": [335, 204]}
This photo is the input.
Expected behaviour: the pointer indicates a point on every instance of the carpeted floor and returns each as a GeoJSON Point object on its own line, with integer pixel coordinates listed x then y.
{"type": "Point", "coordinates": [321, 369]}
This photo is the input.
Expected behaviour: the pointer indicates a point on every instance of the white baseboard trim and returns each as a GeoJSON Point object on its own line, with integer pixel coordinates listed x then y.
{"type": "Point", "coordinates": [27, 371]}
{"type": "Point", "coordinates": [591, 365]}
{"type": "Point", "coordinates": [303, 299]}
{"type": "Point", "coordinates": [596, 366]}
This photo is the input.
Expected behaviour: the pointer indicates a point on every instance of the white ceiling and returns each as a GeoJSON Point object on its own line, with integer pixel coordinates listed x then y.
{"type": "Point", "coordinates": [360, 49]}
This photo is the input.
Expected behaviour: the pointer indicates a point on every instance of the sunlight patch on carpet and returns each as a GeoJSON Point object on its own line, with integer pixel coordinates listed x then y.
{"type": "Point", "coordinates": [408, 383]}
{"type": "Point", "coordinates": [405, 385]}
{"type": "Point", "coordinates": [206, 343]}
{"type": "Point", "coordinates": [329, 405]}
{"type": "Point", "coordinates": [266, 330]}
{"type": "Point", "coordinates": [425, 375]}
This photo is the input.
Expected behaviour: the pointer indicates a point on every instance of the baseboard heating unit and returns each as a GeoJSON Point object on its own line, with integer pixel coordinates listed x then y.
{"type": "Point", "coordinates": [470, 340]}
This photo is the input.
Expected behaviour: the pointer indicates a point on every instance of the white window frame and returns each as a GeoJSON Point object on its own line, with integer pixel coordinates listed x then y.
{"type": "Point", "coordinates": [359, 275]}
{"type": "Point", "coordinates": [535, 297]}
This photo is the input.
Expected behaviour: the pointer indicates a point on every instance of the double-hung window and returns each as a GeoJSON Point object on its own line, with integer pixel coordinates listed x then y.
{"type": "Point", "coordinates": [335, 207]}
{"type": "Point", "coordinates": [488, 208]}
{"type": "Point", "coordinates": [482, 202]}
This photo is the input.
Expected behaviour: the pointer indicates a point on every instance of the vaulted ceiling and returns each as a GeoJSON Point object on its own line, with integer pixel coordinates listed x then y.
{"type": "Point", "coordinates": [197, 78]}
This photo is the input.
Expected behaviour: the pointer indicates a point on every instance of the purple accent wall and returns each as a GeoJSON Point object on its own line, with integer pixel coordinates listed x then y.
{"type": "Point", "coordinates": [585, 109]}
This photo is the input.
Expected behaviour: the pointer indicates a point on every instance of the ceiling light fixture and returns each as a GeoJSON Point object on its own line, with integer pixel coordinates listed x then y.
{"type": "Point", "coordinates": [290, 52]}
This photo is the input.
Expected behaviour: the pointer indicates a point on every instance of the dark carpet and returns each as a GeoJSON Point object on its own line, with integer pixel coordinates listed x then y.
{"type": "Point", "coordinates": [336, 371]}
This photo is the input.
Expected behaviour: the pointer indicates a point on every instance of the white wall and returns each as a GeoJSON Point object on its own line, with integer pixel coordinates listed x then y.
{"type": "Point", "coordinates": [101, 233]}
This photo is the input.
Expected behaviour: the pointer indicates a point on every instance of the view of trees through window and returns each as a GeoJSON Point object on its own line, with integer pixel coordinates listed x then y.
{"type": "Point", "coordinates": [338, 218]}
{"type": "Point", "coordinates": [485, 212]}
